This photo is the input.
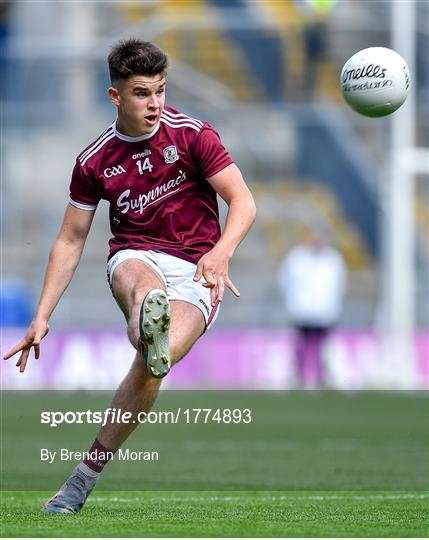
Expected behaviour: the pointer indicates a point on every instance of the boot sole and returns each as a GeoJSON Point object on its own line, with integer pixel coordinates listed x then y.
{"type": "Point", "coordinates": [155, 316]}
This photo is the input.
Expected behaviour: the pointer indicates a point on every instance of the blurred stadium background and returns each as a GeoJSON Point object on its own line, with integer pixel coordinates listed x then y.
{"type": "Point", "coordinates": [266, 75]}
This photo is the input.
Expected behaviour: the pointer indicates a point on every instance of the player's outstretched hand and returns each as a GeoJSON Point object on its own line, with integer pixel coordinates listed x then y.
{"type": "Point", "coordinates": [213, 267]}
{"type": "Point", "coordinates": [35, 333]}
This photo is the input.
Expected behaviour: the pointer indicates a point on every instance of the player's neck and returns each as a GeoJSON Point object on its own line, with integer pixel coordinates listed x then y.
{"type": "Point", "coordinates": [125, 128]}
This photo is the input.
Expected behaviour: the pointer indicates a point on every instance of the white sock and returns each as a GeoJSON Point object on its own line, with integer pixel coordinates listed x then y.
{"type": "Point", "coordinates": [83, 468]}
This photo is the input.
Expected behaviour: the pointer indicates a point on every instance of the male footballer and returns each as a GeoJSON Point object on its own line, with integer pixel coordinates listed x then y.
{"type": "Point", "coordinates": [161, 172]}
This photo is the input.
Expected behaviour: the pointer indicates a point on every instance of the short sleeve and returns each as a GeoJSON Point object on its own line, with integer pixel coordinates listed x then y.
{"type": "Point", "coordinates": [209, 152]}
{"type": "Point", "coordinates": [84, 191]}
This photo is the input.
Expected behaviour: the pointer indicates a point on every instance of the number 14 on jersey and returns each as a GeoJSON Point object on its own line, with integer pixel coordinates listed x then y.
{"type": "Point", "coordinates": [146, 165]}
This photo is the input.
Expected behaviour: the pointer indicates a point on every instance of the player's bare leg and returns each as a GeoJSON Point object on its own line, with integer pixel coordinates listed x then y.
{"type": "Point", "coordinates": [147, 311]}
{"type": "Point", "coordinates": [131, 282]}
{"type": "Point", "coordinates": [138, 390]}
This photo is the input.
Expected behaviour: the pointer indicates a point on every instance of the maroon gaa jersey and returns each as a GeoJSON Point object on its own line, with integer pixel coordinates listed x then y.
{"type": "Point", "coordinates": [156, 185]}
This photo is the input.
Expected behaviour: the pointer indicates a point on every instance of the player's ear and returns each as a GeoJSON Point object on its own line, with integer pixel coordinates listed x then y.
{"type": "Point", "coordinates": [114, 96]}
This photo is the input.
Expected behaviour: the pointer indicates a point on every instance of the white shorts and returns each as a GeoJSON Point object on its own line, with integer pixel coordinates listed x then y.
{"type": "Point", "coordinates": [177, 276]}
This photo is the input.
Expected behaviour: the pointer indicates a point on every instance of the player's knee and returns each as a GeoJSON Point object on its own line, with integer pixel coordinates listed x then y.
{"type": "Point", "coordinates": [137, 296]}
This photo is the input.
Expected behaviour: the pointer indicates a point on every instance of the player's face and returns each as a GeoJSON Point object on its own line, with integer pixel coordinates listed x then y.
{"type": "Point", "coordinates": [140, 100]}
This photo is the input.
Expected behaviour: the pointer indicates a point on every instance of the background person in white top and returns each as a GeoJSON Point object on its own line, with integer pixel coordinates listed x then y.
{"type": "Point", "coordinates": [313, 278]}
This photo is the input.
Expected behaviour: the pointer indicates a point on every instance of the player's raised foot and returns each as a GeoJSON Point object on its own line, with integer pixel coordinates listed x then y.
{"type": "Point", "coordinates": [72, 495]}
{"type": "Point", "coordinates": [155, 315]}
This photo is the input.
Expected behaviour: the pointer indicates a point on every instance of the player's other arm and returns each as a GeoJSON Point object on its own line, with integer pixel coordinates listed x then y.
{"type": "Point", "coordinates": [63, 260]}
{"type": "Point", "coordinates": [213, 266]}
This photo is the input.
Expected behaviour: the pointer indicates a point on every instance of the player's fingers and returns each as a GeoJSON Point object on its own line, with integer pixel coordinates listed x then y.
{"type": "Point", "coordinates": [199, 272]}
{"type": "Point", "coordinates": [231, 286]}
{"type": "Point", "coordinates": [36, 343]}
{"type": "Point", "coordinates": [220, 289]}
{"type": "Point", "coordinates": [210, 280]}
{"type": "Point", "coordinates": [20, 359]}
{"type": "Point", "coordinates": [213, 296]}
{"type": "Point", "coordinates": [15, 349]}
{"type": "Point", "coordinates": [22, 362]}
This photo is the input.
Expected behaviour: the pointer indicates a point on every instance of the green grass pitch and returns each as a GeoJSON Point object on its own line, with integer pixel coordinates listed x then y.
{"type": "Point", "coordinates": [221, 514]}
{"type": "Point", "coordinates": [311, 464]}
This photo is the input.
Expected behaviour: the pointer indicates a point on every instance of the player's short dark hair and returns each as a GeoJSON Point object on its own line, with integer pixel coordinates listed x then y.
{"type": "Point", "coordinates": [135, 57]}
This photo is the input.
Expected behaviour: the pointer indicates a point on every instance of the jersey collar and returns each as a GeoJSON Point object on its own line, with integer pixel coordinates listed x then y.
{"type": "Point", "coordinates": [127, 138]}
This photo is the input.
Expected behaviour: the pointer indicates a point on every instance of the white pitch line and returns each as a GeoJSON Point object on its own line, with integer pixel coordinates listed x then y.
{"type": "Point", "coordinates": [263, 498]}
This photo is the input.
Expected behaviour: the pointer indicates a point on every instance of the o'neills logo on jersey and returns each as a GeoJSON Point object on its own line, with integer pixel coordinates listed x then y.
{"type": "Point", "coordinates": [138, 204]}
{"type": "Point", "coordinates": [145, 153]}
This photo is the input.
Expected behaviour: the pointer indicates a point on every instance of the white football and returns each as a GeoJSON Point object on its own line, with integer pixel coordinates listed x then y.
{"type": "Point", "coordinates": [375, 81]}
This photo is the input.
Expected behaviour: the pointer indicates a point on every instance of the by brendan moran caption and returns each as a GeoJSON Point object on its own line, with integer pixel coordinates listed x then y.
{"type": "Point", "coordinates": [65, 454]}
